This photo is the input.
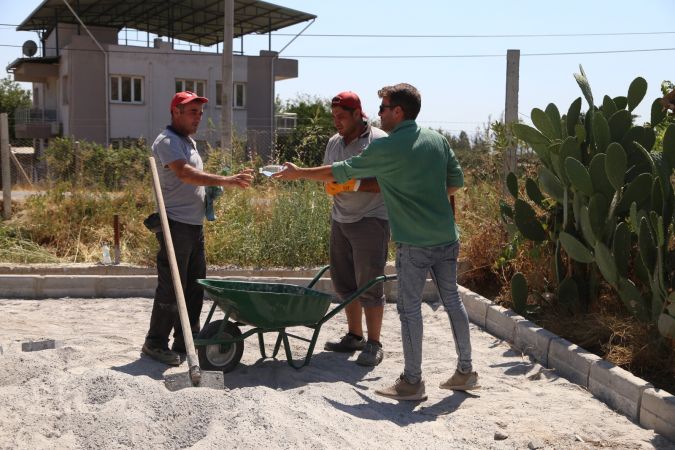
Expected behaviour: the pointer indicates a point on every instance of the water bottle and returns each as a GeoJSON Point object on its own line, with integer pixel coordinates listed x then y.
{"type": "Point", "coordinates": [106, 254]}
{"type": "Point", "coordinates": [271, 169]}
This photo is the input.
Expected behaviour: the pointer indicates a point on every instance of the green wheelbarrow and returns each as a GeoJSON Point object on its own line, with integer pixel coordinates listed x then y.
{"type": "Point", "coordinates": [266, 307]}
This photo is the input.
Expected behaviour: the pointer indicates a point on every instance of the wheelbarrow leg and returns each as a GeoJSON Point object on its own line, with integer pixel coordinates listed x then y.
{"type": "Point", "coordinates": [277, 345]}
{"type": "Point", "coordinates": [310, 350]}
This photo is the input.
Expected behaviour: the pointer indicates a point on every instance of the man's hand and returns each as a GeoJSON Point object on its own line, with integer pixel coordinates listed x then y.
{"type": "Point", "coordinates": [289, 172]}
{"type": "Point", "coordinates": [242, 179]}
{"type": "Point", "coordinates": [333, 188]}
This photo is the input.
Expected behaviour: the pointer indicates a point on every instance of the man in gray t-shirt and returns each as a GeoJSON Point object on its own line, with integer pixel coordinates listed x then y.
{"type": "Point", "coordinates": [182, 180]}
{"type": "Point", "coordinates": [359, 233]}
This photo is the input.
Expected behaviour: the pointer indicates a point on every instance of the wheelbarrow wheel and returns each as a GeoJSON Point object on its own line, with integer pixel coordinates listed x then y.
{"type": "Point", "coordinates": [224, 357]}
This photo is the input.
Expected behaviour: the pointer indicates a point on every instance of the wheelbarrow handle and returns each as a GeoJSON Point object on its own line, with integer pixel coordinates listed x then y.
{"type": "Point", "coordinates": [317, 277]}
{"type": "Point", "coordinates": [355, 295]}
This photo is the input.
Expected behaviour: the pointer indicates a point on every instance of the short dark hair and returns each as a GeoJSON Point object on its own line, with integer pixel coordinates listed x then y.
{"type": "Point", "coordinates": [404, 95]}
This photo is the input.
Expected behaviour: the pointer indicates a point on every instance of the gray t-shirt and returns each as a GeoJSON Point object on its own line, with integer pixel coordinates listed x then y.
{"type": "Point", "coordinates": [350, 207]}
{"type": "Point", "coordinates": [184, 202]}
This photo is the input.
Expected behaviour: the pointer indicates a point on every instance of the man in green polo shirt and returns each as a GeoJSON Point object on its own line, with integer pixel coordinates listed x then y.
{"type": "Point", "coordinates": [417, 172]}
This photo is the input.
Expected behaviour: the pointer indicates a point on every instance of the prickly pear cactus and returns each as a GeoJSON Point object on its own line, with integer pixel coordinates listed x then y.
{"type": "Point", "coordinates": [603, 196]}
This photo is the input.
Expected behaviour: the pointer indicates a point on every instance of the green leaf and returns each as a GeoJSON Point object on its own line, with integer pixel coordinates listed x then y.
{"type": "Point", "coordinates": [621, 102]}
{"type": "Point", "coordinates": [519, 292]}
{"type": "Point", "coordinates": [573, 116]}
{"type": "Point", "coordinates": [554, 117]}
{"type": "Point", "coordinates": [533, 191]}
{"type": "Point", "coordinates": [512, 184]}
{"type": "Point", "coordinates": [598, 207]}
{"type": "Point", "coordinates": [658, 113]}
{"type": "Point", "coordinates": [636, 92]}
{"type": "Point", "coordinates": [582, 81]}
{"type": "Point", "coordinates": [601, 132]}
{"type": "Point", "coordinates": [543, 123]}
{"type": "Point", "coordinates": [551, 184]}
{"type": "Point", "coordinates": [505, 211]}
{"type": "Point", "coordinates": [647, 245]}
{"type": "Point", "coordinates": [578, 176]}
{"type": "Point", "coordinates": [608, 106]}
{"type": "Point", "coordinates": [530, 135]}
{"type": "Point", "coordinates": [619, 124]}
{"type": "Point", "coordinates": [669, 145]}
{"type": "Point", "coordinates": [631, 297]}
{"type": "Point", "coordinates": [586, 227]}
{"type": "Point", "coordinates": [621, 247]}
{"type": "Point", "coordinates": [606, 264]}
{"type": "Point", "coordinates": [615, 165]}
{"type": "Point", "coordinates": [575, 249]}
{"type": "Point", "coordinates": [637, 191]}
{"type": "Point", "coordinates": [527, 222]}
{"type": "Point", "coordinates": [599, 177]}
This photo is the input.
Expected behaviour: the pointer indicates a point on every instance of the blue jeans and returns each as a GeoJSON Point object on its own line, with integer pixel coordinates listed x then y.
{"type": "Point", "coordinates": [412, 265]}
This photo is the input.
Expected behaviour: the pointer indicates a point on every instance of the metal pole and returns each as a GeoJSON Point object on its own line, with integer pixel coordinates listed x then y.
{"type": "Point", "coordinates": [116, 229]}
{"type": "Point", "coordinates": [226, 106]}
{"type": "Point", "coordinates": [511, 109]}
{"type": "Point", "coordinates": [4, 162]}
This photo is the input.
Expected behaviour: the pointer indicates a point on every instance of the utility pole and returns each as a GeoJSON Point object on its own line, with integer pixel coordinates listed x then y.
{"type": "Point", "coordinates": [6, 174]}
{"type": "Point", "coordinates": [511, 109]}
{"type": "Point", "coordinates": [226, 95]}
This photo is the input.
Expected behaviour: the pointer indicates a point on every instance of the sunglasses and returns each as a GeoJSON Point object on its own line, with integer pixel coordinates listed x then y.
{"type": "Point", "coordinates": [383, 107]}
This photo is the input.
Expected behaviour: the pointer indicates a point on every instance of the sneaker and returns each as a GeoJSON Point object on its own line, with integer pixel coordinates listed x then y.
{"type": "Point", "coordinates": [402, 390]}
{"type": "Point", "coordinates": [347, 343]}
{"type": "Point", "coordinates": [371, 355]}
{"type": "Point", "coordinates": [163, 355]}
{"type": "Point", "coordinates": [461, 381]}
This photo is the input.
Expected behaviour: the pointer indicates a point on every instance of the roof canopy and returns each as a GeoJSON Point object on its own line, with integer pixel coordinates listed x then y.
{"type": "Point", "coordinates": [196, 21]}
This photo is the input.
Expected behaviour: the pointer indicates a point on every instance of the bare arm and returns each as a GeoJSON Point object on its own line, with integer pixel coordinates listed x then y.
{"type": "Point", "coordinates": [293, 172]}
{"type": "Point", "coordinates": [452, 190]}
{"type": "Point", "coordinates": [190, 175]}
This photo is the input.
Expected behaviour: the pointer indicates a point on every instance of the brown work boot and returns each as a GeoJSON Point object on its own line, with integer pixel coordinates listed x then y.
{"type": "Point", "coordinates": [402, 390]}
{"type": "Point", "coordinates": [461, 381]}
{"type": "Point", "coordinates": [163, 355]}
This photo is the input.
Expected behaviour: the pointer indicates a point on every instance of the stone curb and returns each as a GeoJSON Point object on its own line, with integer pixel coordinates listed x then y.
{"type": "Point", "coordinates": [622, 391]}
{"type": "Point", "coordinates": [618, 388]}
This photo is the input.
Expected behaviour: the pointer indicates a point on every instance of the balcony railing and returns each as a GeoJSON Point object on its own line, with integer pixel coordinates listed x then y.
{"type": "Point", "coordinates": [285, 122]}
{"type": "Point", "coordinates": [34, 115]}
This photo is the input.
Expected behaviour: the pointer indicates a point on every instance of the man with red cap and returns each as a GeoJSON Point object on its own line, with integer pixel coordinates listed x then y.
{"type": "Point", "coordinates": [182, 179]}
{"type": "Point", "coordinates": [359, 233]}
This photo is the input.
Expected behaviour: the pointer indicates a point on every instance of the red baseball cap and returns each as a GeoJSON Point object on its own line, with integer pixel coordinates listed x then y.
{"type": "Point", "coordinates": [350, 100]}
{"type": "Point", "coordinates": [181, 98]}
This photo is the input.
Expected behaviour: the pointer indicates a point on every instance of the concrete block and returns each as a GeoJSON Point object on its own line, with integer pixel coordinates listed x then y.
{"type": "Point", "coordinates": [112, 286]}
{"type": "Point", "coordinates": [476, 306]}
{"type": "Point", "coordinates": [501, 322]}
{"type": "Point", "coordinates": [657, 412]}
{"type": "Point", "coordinates": [36, 346]}
{"type": "Point", "coordinates": [533, 340]}
{"type": "Point", "coordinates": [56, 286]}
{"type": "Point", "coordinates": [18, 286]}
{"type": "Point", "coordinates": [571, 361]}
{"type": "Point", "coordinates": [620, 389]}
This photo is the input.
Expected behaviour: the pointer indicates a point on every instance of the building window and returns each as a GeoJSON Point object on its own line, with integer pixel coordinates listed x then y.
{"type": "Point", "coordinates": [125, 89]}
{"type": "Point", "coordinates": [239, 99]}
{"type": "Point", "coordinates": [196, 86]}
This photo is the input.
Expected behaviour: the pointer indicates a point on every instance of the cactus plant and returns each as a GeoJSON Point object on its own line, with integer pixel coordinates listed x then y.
{"type": "Point", "coordinates": [607, 198]}
{"type": "Point", "coordinates": [519, 292]}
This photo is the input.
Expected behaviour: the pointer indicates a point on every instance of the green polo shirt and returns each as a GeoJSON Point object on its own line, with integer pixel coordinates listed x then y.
{"type": "Point", "coordinates": [414, 167]}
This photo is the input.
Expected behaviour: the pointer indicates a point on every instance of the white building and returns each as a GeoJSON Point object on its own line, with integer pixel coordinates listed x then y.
{"type": "Point", "coordinates": [102, 91]}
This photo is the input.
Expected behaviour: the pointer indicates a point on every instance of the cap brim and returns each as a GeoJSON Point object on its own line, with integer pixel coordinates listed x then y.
{"type": "Point", "coordinates": [194, 99]}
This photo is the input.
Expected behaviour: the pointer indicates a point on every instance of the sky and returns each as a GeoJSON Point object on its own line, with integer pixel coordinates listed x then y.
{"type": "Point", "coordinates": [455, 52]}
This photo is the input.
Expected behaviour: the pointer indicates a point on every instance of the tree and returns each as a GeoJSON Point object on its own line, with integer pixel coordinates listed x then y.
{"type": "Point", "coordinates": [307, 143]}
{"type": "Point", "coordinates": [11, 98]}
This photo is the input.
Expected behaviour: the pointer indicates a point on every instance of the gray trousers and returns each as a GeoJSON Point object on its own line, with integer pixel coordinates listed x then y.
{"type": "Point", "coordinates": [412, 265]}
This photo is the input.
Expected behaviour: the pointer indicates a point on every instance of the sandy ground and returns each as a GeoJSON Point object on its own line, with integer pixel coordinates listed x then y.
{"type": "Point", "coordinates": [95, 391]}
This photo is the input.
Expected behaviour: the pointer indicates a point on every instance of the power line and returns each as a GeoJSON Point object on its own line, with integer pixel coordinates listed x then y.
{"type": "Point", "coordinates": [149, 51]}
{"type": "Point", "coordinates": [468, 36]}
